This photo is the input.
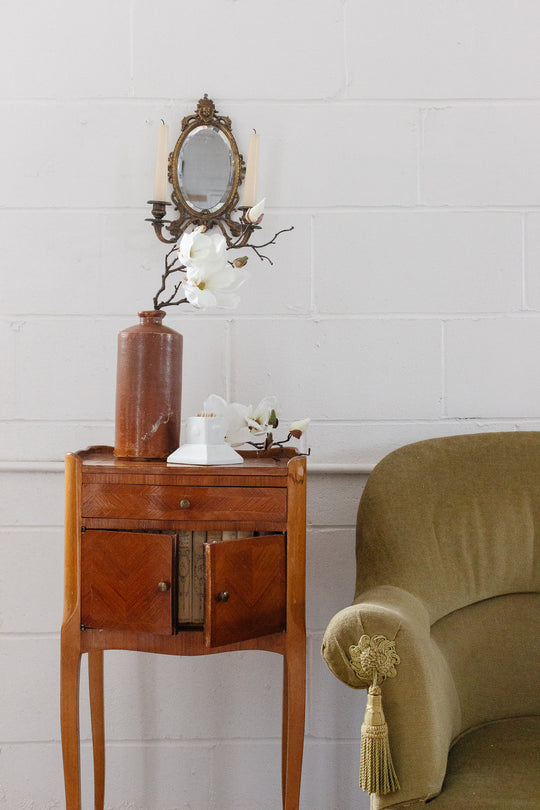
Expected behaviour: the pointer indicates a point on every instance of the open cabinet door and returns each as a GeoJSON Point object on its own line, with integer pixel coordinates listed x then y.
{"type": "Point", "coordinates": [245, 589]}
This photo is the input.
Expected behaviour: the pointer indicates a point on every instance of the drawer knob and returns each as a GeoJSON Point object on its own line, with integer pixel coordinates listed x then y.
{"type": "Point", "coordinates": [223, 596]}
{"type": "Point", "coordinates": [184, 503]}
{"type": "Point", "coordinates": [163, 587]}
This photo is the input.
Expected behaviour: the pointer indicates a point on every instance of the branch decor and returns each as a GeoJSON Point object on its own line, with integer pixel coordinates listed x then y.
{"type": "Point", "coordinates": [207, 278]}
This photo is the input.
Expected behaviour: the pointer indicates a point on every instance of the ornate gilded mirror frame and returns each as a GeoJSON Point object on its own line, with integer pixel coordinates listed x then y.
{"type": "Point", "coordinates": [205, 115]}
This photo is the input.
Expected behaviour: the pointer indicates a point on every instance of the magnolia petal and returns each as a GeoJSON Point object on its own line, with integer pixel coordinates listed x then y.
{"type": "Point", "coordinates": [215, 404]}
{"type": "Point", "coordinates": [219, 245]}
{"type": "Point", "coordinates": [184, 248]}
{"type": "Point", "coordinates": [263, 410]}
{"type": "Point", "coordinates": [218, 274]}
{"type": "Point", "coordinates": [235, 415]}
{"type": "Point", "coordinates": [227, 278]}
{"type": "Point", "coordinates": [238, 437]}
{"type": "Point", "coordinates": [207, 263]}
{"type": "Point", "coordinates": [202, 299]}
{"type": "Point", "coordinates": [194, 275]}
{"type": "Point", "coordinates": [236, 430]}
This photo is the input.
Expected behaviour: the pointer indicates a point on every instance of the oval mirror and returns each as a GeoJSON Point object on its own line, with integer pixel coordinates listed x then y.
{"type": "Point", "coordinates": [205, 169]}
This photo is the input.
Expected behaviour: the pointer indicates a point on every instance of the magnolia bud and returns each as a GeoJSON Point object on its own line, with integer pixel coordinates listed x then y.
{"type": "Point", "coordinates": [256, 213]}
{"type": "Point", "coordinates": [240, 262]}
{"type": "Point", "coordinates": [296, 429]}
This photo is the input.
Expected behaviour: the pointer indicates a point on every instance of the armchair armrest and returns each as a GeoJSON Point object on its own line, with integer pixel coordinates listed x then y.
{"type": "Point", "coordinates": [421, 703]}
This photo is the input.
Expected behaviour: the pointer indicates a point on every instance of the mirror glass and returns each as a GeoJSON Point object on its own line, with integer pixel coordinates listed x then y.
{"type": "Point", "coordinates": [206, 169]}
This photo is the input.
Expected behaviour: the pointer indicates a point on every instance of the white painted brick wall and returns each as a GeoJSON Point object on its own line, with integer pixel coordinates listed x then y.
{"type": "Point", "coordinates": [307, 361]}
{"type": "Point", "coordinates": [401, 141]}
{"type": "Point", "coordinates": [462, 262]}
{"type": "Point", "coordinates": [481, 156]}
{"type": "Point", "coordinates": [469, 49]}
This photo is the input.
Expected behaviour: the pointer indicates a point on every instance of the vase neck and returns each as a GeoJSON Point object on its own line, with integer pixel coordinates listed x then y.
{"type": "Point", "coordinates": [151, 316]}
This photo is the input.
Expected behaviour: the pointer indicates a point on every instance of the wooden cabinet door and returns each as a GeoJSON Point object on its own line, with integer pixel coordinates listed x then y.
{"type": "Point", "coordinates": [245, 589]}
{"type": "Point", "coordinates": [126, 581]}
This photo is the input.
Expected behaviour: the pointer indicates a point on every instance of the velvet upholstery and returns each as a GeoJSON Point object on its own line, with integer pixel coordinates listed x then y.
{"type": "Point", "coordinates": [448, 566]}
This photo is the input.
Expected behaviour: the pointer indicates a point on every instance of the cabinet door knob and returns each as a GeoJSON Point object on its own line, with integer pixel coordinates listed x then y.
{"type": "Point", "coordinates": [163, 587]}
{"type": "Point", "coordinates": [184, 503]}
{"type": "Point", "coordinates": [223, 596]}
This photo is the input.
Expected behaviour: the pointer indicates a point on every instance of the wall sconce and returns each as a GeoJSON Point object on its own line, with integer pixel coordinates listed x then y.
{"type": "Point", "coordinates": [206, 171]}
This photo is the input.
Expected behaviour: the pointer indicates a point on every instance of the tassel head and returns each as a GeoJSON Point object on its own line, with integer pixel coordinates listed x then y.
{"type": "Point", "coordinates": [374, 711]}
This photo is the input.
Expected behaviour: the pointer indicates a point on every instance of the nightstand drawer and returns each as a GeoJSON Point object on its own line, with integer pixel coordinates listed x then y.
{"type": "Point", "coordinates": [183, 503]}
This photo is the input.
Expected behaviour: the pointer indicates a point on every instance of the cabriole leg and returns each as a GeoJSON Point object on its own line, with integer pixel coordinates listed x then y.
{"type": "Point", "coordinates": [95, 678]}
{"type": "Point", "coordinates": [294, 699]}
{"type": "Point", "coordinates": [69, 721]}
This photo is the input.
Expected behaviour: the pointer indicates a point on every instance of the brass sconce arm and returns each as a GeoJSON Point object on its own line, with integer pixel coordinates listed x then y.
{"type": "Point", "coordinates": [158, 212]}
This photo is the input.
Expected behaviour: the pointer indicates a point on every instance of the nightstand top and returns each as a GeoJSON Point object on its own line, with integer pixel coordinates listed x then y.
{"type": "Point", "coordinates": [272, 463]}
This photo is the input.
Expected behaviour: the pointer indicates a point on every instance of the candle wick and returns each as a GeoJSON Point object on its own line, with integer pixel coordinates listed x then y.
{"type": "Point", "coordinates": [254, 130]}
{"type": "Point", "coordinates": [163, 122]}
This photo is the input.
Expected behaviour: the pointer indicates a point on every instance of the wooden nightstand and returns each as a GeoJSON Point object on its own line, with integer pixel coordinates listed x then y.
{"type": "Point", "coordinates": [128, 558]}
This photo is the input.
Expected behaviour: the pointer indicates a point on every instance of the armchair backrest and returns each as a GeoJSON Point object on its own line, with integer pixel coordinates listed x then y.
{"type": "Point", "coordinates": [454, 520]}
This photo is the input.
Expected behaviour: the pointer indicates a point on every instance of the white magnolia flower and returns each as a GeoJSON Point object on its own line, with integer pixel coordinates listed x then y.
{"type": "Point", "coordinates": [198, 248]}
{"type": "Point", "coordinates": [237, 431]}
{"type": "Point", "coordinates": [210, 279]}
{"type": "Point", "coordinates": [243, 423]}
{"type": "Point", "coordinates": [262, 417]}
{"type": "Point", "coordinates": [213, 284]}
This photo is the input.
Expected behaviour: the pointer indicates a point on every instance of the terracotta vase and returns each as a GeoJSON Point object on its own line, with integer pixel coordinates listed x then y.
{"type": "Point", "coordinates": [148, 389]}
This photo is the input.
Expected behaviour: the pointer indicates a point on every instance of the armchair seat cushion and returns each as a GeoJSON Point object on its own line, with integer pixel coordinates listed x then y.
{"type": "Point", "coordinates": [494, 767]}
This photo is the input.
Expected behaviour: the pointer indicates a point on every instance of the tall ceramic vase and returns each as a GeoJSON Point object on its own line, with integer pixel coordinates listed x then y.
{"type": "Point", "coordinates": [148, 389]}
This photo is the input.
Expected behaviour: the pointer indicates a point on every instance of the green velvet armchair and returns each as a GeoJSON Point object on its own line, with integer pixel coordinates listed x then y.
{"type": "Point", "coordinates": [448, 580]}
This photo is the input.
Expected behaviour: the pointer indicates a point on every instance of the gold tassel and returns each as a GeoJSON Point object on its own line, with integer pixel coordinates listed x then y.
{"type": "Point", "coordinates": [377, 774]}
{"type": "Point", "coordinates": [374, 659]}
